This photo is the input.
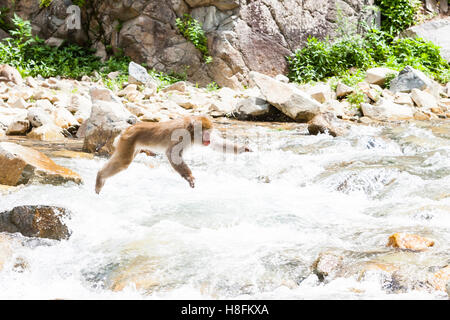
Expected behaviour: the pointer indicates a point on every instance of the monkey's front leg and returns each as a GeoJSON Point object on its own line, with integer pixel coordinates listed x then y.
{"type": "Point", "coordinates": [180, 166]}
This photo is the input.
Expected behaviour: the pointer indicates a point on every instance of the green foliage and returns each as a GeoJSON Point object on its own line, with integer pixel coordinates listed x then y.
{"type": "Point", "coordinates": [212, 86]}
{"type": "Point", "coordinates": [45, 3]}
{"type": "Point", "coordinates": [397, 15]}
{"type": "Point", "coordinates": [32, 57]}
{"type": "Point", "coordinates": [321, 59]}
{"type": "Point", "coordinates": [356, 98]}
{"type": "Point", "coordinates": [79, 3]}
{"type": "Point", "coordinates": [192, 30]}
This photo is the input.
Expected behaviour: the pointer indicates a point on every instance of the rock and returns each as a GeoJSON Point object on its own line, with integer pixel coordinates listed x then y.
{"type": "Point", "coordinates": [86, 79]}
{"type": "Point", "coordinates": [54, 42]}
{"type": "Point", "coordinates": [342, 90]}
{"type": "Point", "coordinates": [103, 94]}
{"type": "Point", "coordinates": [47, 132]}
{"type": "Point", "coordinates": [36, 221]}
{"type": "Point", "coordinates": [18, 128]}
{"type": "Point", "coordinates": [135, 109]}
{"type": "Point", "coordinates": [177, 86]}
{"type": "Point", "coordinates": [325, 123]}
{"type": "Point", "coordinates": [150, 90]}
{"type": "Point", "coordinates": [409, 241]}
{"type": "Point", "coordinates": [182, 100]}
{"type": "Point", "coordinates": [387, 110]}
{"type": "Point", "coordinates": [31, 82]}
{"type": "Point", "coordinates": [409, 79]}
{"type": "Point", "coordinates": [440, 280]}
{"type": "Point", "coordinates": [403, 98]}
{"type": "Point", "coordinates": [22, 165]}
{"type": "Point", "coordinates": [436, 31]}
{"type": "Point", "coordinates": [327, 264]}
{"type": "Point", "coordinates": [336, 107]}
{"type": "Point", "coordinates": [64, 119]}
{"type": "Point", "coordinates": [106, 122]}
{"type": "Point", "coordinates": [286, 98]}
{"type": "Point", "coordinates": [282, 78]}
{"type": "Point", "coordinates": [378, 75]}
{"type": "Point", "coordinates": [421, 116]}
{"type": "Point", "coordinates": [44, 104]}
{"type": "Point", "coordinates": [423, 99]}
{"type": "Point", "coordinates": [321, 92]}
{"type": "Point", "coordinates": [8, 73]}
{"type": "Point", "coordinates": [17, 102]}
{"type": "Point", "coordinates": [113, 75]}
{"type": "Point", "coordinates": [251, 107]}
{"type": "Point", "coordinates": [137, 74]}
{"type": "Point", "coordinates": [131, 88]}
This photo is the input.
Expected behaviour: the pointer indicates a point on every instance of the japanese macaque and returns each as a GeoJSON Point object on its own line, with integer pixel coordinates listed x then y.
{"type": "Point", "coordinates": [172, 137]}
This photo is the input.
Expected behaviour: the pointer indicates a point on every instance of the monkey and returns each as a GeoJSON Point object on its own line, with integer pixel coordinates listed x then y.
{"type": "Point", "coordinates": [172, 137]}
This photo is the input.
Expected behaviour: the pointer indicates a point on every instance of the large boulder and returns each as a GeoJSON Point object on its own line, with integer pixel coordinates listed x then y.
{"type": "Point", "coordinates": [22, 165]}
{"type": "Point", "coordinates": [409, 79]}
{"type": "Point", "coordinates": [36, 221]}
{"type": "Point", "coordinates": [108, 119]}
{"type": "Point", "coordinates": [436, 31]}
{"type": "Point", "coordinates": [293, 102]}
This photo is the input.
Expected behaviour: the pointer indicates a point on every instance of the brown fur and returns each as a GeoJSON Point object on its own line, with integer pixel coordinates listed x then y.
{"type": "Point", "coordinates": [142, 136]}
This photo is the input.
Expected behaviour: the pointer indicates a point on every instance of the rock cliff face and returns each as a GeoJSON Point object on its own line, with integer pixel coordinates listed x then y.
{"type": "Point", "coordinates": [243, 35]}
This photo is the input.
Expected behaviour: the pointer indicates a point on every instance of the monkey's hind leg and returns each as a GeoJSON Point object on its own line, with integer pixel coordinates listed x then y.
{"type": "Point", "coordinates": [112, 167]}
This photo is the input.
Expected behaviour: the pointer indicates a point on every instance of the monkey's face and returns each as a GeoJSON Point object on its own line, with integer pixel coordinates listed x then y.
{"type": "Point", "coordinates": [206, 137]}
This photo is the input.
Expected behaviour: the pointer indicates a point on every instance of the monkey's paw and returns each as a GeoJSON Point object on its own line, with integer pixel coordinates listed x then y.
{"type": "Point", "coordinates": [191, 181]}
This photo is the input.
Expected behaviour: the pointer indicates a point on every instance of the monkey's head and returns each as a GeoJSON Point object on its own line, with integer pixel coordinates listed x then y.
{"type": "Point", "coordinates": [206, 126]}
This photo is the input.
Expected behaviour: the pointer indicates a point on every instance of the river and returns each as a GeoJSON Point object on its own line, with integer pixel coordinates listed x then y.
{"type": "Point", "coordinates": [253, 225]}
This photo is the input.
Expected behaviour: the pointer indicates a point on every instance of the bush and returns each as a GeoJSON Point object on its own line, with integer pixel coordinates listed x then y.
{"type": "Point", "coordinates": [32, 57]}
{"type": "Point", "coordinates": [192, 30]}
{"type": "Point", "coordinates": [321, 59]}
{"type": "Point", "coordinates": [397, 15]}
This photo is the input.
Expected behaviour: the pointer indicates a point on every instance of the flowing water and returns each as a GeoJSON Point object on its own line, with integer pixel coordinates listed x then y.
{"type": "Point", "coordinates": [253, 225]}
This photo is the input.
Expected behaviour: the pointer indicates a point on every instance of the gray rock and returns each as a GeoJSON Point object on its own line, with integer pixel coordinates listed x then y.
{"type": "Point", "coordinates": [251, 107]}
{"type": "Point", "coordinates": [137, 74]}
{"type": "Point", "coordinates": [410, 78]}
{"type": "Point", "coordinates": [36, 221]}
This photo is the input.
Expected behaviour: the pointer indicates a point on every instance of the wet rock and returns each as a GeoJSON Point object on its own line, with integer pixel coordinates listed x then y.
{"type": "Point", "coordinates": [8, 73]}
{"type": "Point", "coordinates": [106, 122]}
{"type": "Point", "coordinates": [325, 123]}
{"type": "Point", "coordinates": [288, 99]}
{"type": "Point", "coordinates": [423, 99]}
{"type": "Point", "coordinates": [409, 241]}
{"type": "Point", "coordinates": [386, 110]}
{"type": "Point", "coordinates": [342, 90]}
{"type": "Point", "coordinates": [36, 221]}
{"type": "Point", "coordinates": [440, 280]}
{"type": "Point", "coordinates": [409, 79]}
{"type": "Point", "coordinates": [328, 263]}
{"type": "Point", "coordinates": [18, 128]}
{"type": "Point", "coordinates": [22, 165]}
{"type": "Point", "coordinates": [378, 75]}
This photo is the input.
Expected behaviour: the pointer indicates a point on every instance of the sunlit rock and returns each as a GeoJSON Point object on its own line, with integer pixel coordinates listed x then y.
{"type": "Point", "coordinates": [36, 221]}
{"type": "Point", "coordinates": [8, 73]}
{"type": "Point", "coordinates": [18, 128]}
{"type": "Point", "coordinates": [22, 165]}
{"type": "Point", "coordinates": [409, 241]}
{"type": "Point", "coordinates": [423, 99]}
{"type": "Point", "coordinates": [47, 132]}
{"type": "Point", "coordinates": [378, 75]}
{"type": "Point", "coordinates": [386, 110]}
{"type": "Point", "coordinates": [328, 264]}
{"type": "Point", "coordinates": [288, 99]}
{"type": "Point", "coordinates": [325, 123]}
{"type": "Point", "coordinates": [342, 90]}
